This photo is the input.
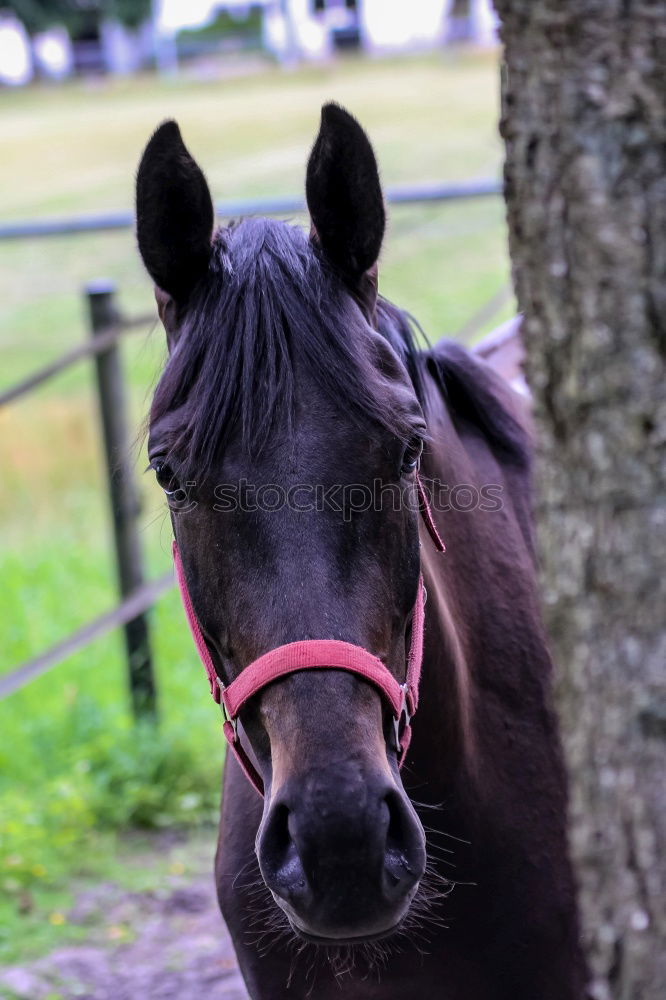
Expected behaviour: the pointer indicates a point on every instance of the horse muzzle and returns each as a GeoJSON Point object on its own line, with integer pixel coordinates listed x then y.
{"type": "Point", "coordinates": [343, 858]}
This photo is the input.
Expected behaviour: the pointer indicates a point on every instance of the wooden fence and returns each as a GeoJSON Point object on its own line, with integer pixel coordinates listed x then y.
{"type": "Point", "coordinates": [106, 327]}
{"type": "Point", "coordinates": [286, 205]}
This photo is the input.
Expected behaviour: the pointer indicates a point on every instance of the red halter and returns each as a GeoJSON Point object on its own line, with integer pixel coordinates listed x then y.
{"type": "Point", "coordinates": [313, 654]}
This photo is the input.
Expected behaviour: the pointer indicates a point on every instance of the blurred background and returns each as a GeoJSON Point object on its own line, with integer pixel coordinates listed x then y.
{"type": "Point", "coordinates": [82, 85]}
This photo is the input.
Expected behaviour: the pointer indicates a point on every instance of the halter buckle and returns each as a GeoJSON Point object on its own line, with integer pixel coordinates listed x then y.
{"type": "Point", "coordinates": [402, 714]}
{"type": "Point", "coordinates": [225, 714]}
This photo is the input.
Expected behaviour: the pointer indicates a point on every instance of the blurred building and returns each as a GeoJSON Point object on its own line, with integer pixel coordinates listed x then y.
{"type": "Point", "coordinates": [90, 42]}
{"type": "Point", "coordinates": [166, 32]}
{"type": "Point", "coordinates": [16, 66]}
{"type": "Point", "coordinates": [313, 29]}
{"type": "Point", "coordinates": [53, 53]}
{"type": "Point", "coordinates": [105, 45]}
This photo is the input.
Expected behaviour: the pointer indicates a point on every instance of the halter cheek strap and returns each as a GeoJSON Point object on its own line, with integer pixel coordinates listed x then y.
{"type": "Point", "coordinates": [317, 654]}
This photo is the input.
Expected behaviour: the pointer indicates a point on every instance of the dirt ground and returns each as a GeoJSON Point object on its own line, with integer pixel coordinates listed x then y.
{"type": "Point", "coordinates": [170, 943]}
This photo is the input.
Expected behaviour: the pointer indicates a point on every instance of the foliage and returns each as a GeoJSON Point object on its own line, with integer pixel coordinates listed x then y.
{"type": "Point", "coordinates": [149, 779]}
{"type": "Point", "coordinates": [39, 836]}
{"type": "Point", "coordinates": [38, 15]}
{"type": "Point", "coordinates": [129, 12]}
{"type": "Point", "coordinates": [119, 778]}
{"type": "Point", "coordinates": [226, 25]}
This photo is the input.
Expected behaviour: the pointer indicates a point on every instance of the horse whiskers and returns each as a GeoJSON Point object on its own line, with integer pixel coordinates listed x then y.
{"type": "Point", "coordinates": [258, 905]}
{"type": "Point", "coordinates": [435, 887]}
{"type": "Point", "coordinates": [298, 947]}
{"type": "Point", "coordinates": [431, 867]}
{"type": "Point", "coordinates": [268, 928]}
{"type": "Point", "coordinates": [427, 902]}
{"type": "Point", "coordinates": [256, 891]}
{"type": "Point", "coordinates": [281, 936]}
{"type": "Point", "coordinates": [274, 931]}
{"type": "Point", "coordinates": [340, 960]}
{"type": "Point", "coordinates": [433, 831]}
{"type": "Point", "coordinates": [426, 805]}
{"type": "Point", "coordinates": [443, 861]}
{"type": "Point", "coordinates": [417, 920]}
{"type": "Point", "coordinates": [425, 911]}
{"type": "Point", "coordinates": [269, 917]}
{"type": "Point", "coordinates": [438, 847]}
{"type": "Point", "coordinates": [252, 861]}
{"type": "Point", "coordinates": [268, 924]}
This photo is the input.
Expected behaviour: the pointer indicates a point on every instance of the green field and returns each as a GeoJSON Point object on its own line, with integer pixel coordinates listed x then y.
{"type": "Point", "coordinates": [73, 771]}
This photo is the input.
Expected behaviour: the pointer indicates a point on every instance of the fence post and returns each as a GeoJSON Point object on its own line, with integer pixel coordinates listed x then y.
{"type": "Point", "coordinates": [123, 494]}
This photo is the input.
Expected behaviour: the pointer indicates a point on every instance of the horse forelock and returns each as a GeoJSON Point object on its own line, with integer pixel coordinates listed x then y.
{"type": "Point", "coordinates": [268, 307]}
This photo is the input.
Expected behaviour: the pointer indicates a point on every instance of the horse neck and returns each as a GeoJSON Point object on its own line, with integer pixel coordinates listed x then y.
{"type": "Point", "coordinates": [484, 641]}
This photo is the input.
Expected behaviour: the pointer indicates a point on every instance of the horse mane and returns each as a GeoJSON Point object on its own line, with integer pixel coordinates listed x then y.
{"type": "Point", "coordinates": [401, 330]}
{"type": "Point", "coordinates": [478, 395]}
{"type": "Point", "coordinates": [267, 307]}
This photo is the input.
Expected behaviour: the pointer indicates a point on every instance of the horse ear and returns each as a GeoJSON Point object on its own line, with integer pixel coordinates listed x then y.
{"type": "Point", "coordinates": [344, 194]}
{"type": "Point", "coordinates": [174, 213]}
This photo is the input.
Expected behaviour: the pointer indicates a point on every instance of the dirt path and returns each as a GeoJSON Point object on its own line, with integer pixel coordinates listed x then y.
{"type": "Point", "coordinates": [169, 943]}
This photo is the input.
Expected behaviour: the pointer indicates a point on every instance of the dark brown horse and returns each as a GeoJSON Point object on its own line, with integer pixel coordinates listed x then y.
{"type": "Point", "coordinates": [287, 430]}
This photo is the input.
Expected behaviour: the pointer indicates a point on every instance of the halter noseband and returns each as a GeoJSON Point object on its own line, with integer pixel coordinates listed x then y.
{"type": "Point", "coordinates": [317, 654]}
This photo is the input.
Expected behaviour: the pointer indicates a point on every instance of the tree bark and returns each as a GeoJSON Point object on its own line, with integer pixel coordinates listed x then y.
{"type": "Point", "coordinates": [584, 123]}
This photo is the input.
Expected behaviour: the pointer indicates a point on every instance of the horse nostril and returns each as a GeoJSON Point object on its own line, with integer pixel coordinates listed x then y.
{"type": "Point", "coordinates": [278, 857]}
{"type": "Point", "coordinates": [278, 828]}
{"type": "Point", "coordinates": [404, 856]}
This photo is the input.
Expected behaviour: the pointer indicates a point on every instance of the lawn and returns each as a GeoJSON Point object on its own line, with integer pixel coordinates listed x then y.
{"type": "Point", "coordinates": [72, 768]}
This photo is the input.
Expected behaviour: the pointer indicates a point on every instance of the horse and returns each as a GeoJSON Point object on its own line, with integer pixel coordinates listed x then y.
{"type": "Point", "coordinates": [313, 458]}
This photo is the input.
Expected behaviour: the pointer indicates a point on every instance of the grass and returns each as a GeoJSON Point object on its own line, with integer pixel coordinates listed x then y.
{"type": "Point", "coordinates": [73, 769]}
{"type": "Point", "coordinates": [134, 862]}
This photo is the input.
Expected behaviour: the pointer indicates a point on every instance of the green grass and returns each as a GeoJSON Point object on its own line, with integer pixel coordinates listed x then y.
{"type": "Point", "coordinates": [73, 770]}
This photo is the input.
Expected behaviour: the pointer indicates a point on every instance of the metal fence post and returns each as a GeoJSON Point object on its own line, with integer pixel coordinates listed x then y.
{"type": "Point", "coordinates": [123, 493]}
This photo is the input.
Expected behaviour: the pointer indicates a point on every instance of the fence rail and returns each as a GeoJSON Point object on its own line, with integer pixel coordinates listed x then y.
{"type": "Point", "coordinates": [106, 327]}
{"type": "Point", "coordinates": [71, 357]}
{"type": "Point", "coordinates": [288, 205]}
{"type": "Point", "coordinates": [135, 604]}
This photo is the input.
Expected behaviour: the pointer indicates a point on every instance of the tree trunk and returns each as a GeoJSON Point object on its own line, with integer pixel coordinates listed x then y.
{"type": "Point", "coordinates": [584, 122]}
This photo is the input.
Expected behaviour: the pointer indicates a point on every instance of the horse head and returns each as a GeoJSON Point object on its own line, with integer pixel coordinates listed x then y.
{"type": "Point", "coordinates": [286, 430]}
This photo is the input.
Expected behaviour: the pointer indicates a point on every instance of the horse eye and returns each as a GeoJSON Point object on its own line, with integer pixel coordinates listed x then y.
{"type": "Point", "coordinates": [165, 476]}
{"type": "Point", "coordinates": [412, 456]}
